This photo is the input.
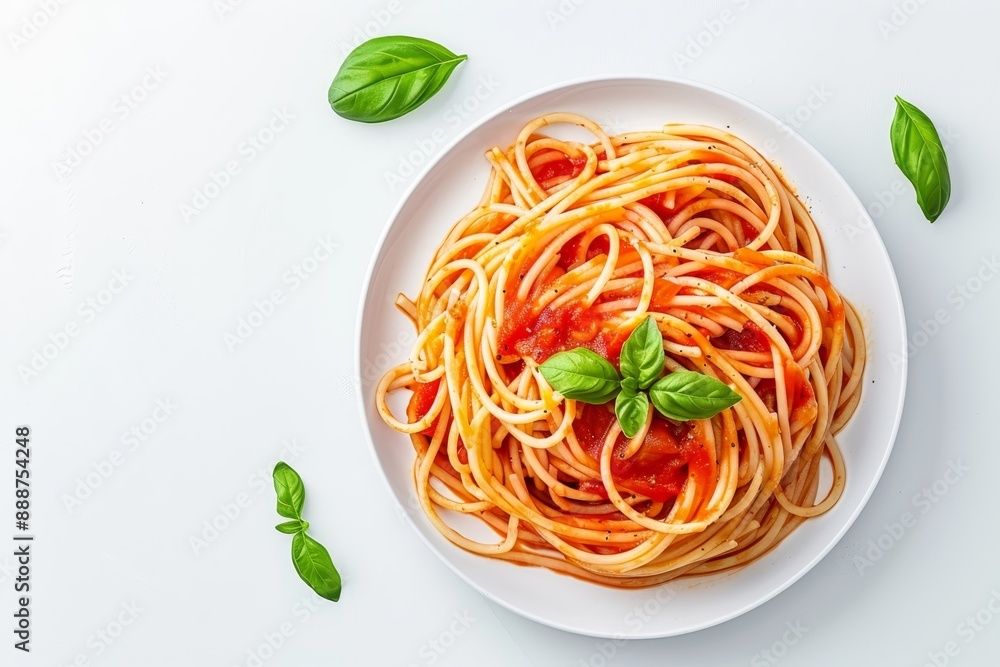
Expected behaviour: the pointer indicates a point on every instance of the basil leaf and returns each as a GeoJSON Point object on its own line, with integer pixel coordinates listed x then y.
{"type": "Point", "coordinates": [630, 385]}
{"type": "Point", "coordinates": [290, 490]}
{"type": "Point", "coordinates": [631, 409]}
{"type": "Point", "coordinates": [387, 77]}
{"type": "Point", "coordinates": [582, 375]}
{"type": "Point", "coordinates": [688, 395]}
{"type": "Point", "coordinates": [918, 152]}
{"type": "Point", "coordinates": [313, 563]}
{"type": "Point", "coordinates": [642, 354]}
{"type": "Point", "coordinates": [292, 527]}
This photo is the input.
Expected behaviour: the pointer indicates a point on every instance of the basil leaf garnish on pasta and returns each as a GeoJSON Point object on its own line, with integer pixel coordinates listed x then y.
{"type": "Point", "coordinates": [582, 375]}
{"type": "Point", "coordinates": [631, 409]}
{"type": "Point", "coordinates": [642, 354]}
{"type": "Point", "coordinates": [585, 376]}
{"type": "Point", "coordinates": [686, 395]}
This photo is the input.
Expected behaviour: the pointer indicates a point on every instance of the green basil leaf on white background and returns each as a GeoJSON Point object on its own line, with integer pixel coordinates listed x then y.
{"type": "Point", "coordinates": [290, 490]}
{"type": "Point", "coordinates": [315, 567]}
{"type": "Point", "coordinates": [582, 375]}
{"type": "Point", "coordinates": [311, 559]}
{"type": "Point", "coordinates": [387, 77]}
{"type": "Point", "coordinates": [688, 395]}
{"type": "Point", "coordinates": [642, 354]}
{"type": "Point", "coordinates": [292, 527]}
{"type": "Point", "coordinates": [918, 152]}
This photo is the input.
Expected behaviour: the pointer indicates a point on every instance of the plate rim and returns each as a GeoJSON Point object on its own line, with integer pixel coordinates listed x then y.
{"type": "Point", "coordinates": [429, 167]}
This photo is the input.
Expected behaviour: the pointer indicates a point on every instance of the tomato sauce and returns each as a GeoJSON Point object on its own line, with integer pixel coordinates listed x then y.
{"type": "Point", "coordinates": [722, 277]}
{"type": "Point", "coordinates": [679, 198]}
{"type": "Point", "coordinates": [565, 166]}
{"type": "Point", "coordinates": [726, 178]}
{"type": "Point", "coordinates": [663, 292]}
{"type": "Point", "coordinates": [527, 332]}
{"type": "Point", "coordinates": [753, 257]}
{"type": "Point", "coordinates": [421, 402]}
{"type": "Point", "coordinates": [802, 405]}
{"type": "Point", "coordinates": [801, 399]}
{"type": "Point", "coordinates": [749, 231]}
{"type": "Point", "coordinates": [751, 339]}
{"type": "Point", "coordinates": [659, 469]}
{"type": "Point", "coordinates": [567, 255]}
{"type": "Point", "coordinates": [598, 247]}
{"type": "Point", "coordinates": [657, 205]}
{"type": "Point", "coordinates": [556, 330]}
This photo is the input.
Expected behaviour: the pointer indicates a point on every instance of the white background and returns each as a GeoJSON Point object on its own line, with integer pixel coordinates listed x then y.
{"type": "Point", "coordinates": [887, 594]}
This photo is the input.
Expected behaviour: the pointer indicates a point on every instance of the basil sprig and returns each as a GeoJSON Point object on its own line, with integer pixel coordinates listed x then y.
{"type": "Point", "coordinates": [311, 559]}
{"type": "Point", "coordinates": [917, 150]}
{"type": "Point", "coordinates": [387, 77]}
{"type": "Point", "coordinates": [583, 375]}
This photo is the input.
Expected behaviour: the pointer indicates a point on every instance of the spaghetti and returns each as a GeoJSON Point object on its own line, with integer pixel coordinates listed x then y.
{"type": "Point", "coordinates": [573, 245]}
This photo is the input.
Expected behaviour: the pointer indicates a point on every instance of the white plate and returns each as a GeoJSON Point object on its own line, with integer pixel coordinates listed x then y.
{"type": "Point", "coordinates": [860, 269]}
